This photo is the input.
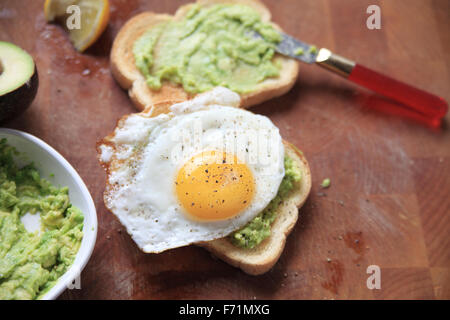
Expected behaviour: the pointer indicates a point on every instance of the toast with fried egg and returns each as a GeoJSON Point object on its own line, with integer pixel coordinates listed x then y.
{"type": "Point", "coordinates": [114, 154]}
{"type": "Point", "coordinates": [130, 78]}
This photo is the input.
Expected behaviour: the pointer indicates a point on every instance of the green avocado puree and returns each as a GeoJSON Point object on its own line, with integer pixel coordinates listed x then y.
{"type": "Point", "coordinates": [31, 263]}
{"type": "Point", "coordinates": [209, 47]}
{"type": "Point", "coordinates": [258, 229]}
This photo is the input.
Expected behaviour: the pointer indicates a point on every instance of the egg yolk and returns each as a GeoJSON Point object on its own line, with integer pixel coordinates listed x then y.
{"type": "Point", "coordinates": [213, 186]}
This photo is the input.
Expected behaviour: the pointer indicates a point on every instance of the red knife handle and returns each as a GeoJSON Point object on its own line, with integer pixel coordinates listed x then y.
{"type": "Point", "coordinates": [421, 101]}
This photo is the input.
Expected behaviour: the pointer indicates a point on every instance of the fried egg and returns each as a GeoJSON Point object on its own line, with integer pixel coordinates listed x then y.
{"type": "Point", "coordinates": [196, 173]}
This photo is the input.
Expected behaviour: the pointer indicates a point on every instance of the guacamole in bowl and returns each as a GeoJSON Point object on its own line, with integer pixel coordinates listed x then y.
{"type": "Point", "coordinates": [47, 219]}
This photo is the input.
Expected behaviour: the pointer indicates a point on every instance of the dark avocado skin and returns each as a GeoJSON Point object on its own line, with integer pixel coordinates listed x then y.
{"type": "Point", "coordinates": [15, 102]}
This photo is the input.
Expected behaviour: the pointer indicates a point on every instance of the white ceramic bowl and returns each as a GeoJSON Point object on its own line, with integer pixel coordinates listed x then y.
{"type": "Point", "coordinates": [56, 169]}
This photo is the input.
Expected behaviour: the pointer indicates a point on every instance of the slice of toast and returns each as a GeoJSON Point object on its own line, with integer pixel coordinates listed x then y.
{"type": "Point", "coordinates": [263, 257]}
{"type": "Point", "coordinates": [129, 77]}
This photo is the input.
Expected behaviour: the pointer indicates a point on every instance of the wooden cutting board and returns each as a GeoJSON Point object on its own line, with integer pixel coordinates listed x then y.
{"type": "Point", "coordinates": [388, 204]}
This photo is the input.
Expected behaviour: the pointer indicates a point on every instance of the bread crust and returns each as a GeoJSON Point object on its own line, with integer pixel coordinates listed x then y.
{"type": "Point", "coordinates": [129, 77]}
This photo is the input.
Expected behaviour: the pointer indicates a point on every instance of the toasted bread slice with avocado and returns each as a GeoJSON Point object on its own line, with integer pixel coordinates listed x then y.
{"type": "Point", "coordinates": [263, 257]}
{"type": "Point", "coordinates": [130, 78]}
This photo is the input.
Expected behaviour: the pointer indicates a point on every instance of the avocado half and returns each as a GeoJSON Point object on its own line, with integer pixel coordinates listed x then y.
{"type": "Point", "coordinates": [18, 80]}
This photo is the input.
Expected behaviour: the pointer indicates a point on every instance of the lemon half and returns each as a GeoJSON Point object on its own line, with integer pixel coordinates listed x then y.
{"type": "Point", "coordinates": [93, 18]}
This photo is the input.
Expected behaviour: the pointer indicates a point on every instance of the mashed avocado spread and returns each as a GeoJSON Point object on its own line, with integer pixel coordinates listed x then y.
{"type": "Point", "coordinates": [31, 263]}
{"type": "Point", "coordinates": [209, 47]}
{"type": "Point", "coordinates": [258, 229]}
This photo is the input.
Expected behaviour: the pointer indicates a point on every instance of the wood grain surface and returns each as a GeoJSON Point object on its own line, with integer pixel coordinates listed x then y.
{"type": "Point", "coordinates": [388, 204]}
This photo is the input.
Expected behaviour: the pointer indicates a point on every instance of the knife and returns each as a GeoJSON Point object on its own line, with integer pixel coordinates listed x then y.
{"type": "Point", "coordinates": [421, 101]}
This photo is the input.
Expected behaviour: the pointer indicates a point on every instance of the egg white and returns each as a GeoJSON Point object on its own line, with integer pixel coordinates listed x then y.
{"type": "Point", "coordinates": [145, 153]}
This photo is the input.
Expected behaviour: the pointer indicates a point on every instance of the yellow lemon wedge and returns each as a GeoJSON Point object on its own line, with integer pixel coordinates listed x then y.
{"type": "Point", "coordinates": [85, 20]}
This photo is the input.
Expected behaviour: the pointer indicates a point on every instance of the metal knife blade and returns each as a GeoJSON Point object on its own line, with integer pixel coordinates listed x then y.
{"type": "Point", "coordinates": [289, 46]}
{"type": "Point", "coordinates": [297, 49]}
{"type": "Point", "coordinates": [294, 48]}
